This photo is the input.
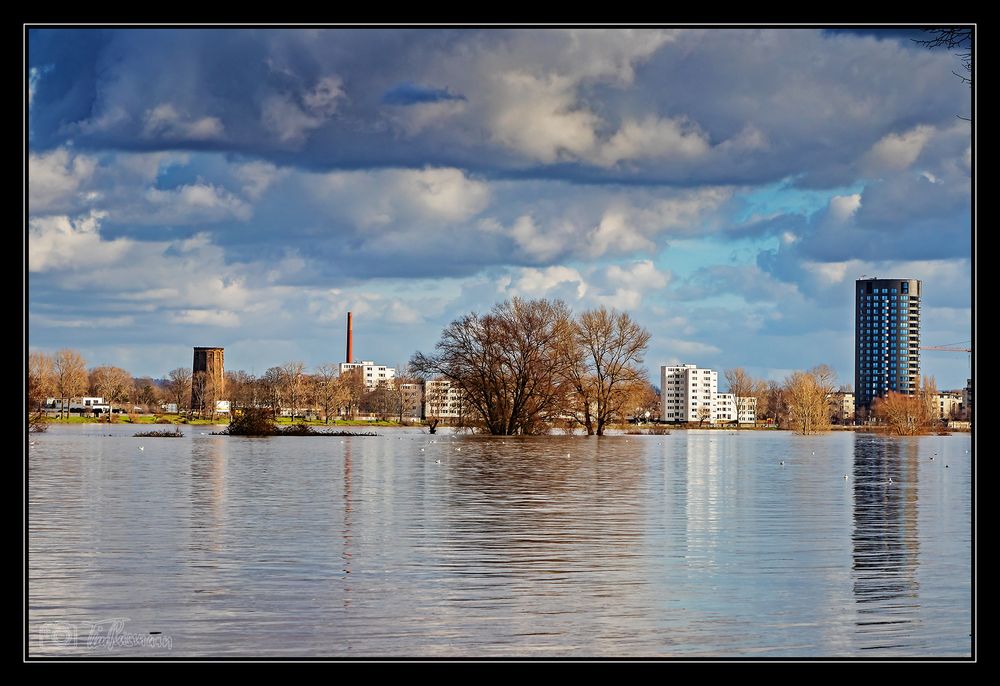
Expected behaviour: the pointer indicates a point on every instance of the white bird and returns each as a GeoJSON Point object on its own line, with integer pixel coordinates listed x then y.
{"type": "Point", "coordinates": [141, 448]}
{"type": "Point", "coordinates": [437, 461]}
{"type": "Point", "coordinates": [782, 463]}
{"type": "Point", "coordinates": [845, 476]}
{"type": "Point", "coordinates": [890, 479]}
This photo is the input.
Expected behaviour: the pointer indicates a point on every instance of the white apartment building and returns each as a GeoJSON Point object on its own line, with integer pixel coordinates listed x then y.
{"type": "Point", "coordinates": [442, 400]}
{"type": "Point", "coordinates": [841, 407]}
{"type": "Point", "coordinates": [729, 409]}
{"type": "Point", "coordinates": [948, 404]}
{"type": "Point", "coordinates": [688, 394]}
{"type": "Point", "coordinates": [747, 409]}
{"type": "Point", "coordinates": [372, 373]}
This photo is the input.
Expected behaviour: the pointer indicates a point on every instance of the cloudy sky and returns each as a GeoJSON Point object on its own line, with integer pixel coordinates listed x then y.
{"type": "Point", "coordinates": [246, 188]}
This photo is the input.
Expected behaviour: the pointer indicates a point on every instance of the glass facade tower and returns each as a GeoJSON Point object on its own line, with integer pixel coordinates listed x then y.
{"type": "Point", "coordinates": [886, 338]}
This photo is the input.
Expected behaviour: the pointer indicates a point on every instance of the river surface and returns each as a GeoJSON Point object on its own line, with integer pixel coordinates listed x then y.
{"type": "Point", "coordinates": [693, 544]}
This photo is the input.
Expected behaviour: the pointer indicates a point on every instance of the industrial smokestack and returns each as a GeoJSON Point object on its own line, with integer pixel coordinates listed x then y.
{"type": "Point", "coordinates": [350, 340]}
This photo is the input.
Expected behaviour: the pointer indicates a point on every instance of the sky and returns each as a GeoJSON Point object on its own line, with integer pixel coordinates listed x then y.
{"type": "Point", "coordinates": [247, 187]}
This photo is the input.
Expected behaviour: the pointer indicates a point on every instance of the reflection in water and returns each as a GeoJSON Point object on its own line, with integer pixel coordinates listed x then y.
{"type": "Point", "coordinates": [886, 540]}
{"type": "Point", "coordinates": [406, 544]}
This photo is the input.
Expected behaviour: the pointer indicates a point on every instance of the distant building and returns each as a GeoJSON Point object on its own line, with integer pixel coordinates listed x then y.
{"type": "Point", "coordinates": [886, 338]}
{"type": "Point", "coordinates": [729, 409]}
{"type": "Point", "coordinates": [442, 400]}
{"type": "Point", "coordinates": [93, 404]}
{"type": "Point", "coordinates": [841, 407]}
{"type": "Point", "coordinates": [688, 393]}
{"type": "Point", "coordinates": [371, 373]}
{"type": "Point", "coordinates": [747, 407]}
{"type": "Point", "coordinates": [208, 378]}
{"type": "Point", "coordinates": [412, 399]}
{"type": "Point", "coordinates": [949, 405]}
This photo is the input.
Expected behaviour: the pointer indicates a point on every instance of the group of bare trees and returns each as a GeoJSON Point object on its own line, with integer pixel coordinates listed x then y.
{"type": "Point", "coordinates": [527, 363]}
{"type": "Point", "coordinates": [801, 402]}
{"type": "Point", "coordinates": [65, 376]}
{"type": "Point", "coordinates": [325, 392]}
{"type": "Point", "coordinates": [908, 415]}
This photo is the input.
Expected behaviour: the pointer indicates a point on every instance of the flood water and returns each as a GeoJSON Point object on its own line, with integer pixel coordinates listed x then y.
{"type": "Point", "coordinates": [693, 544]}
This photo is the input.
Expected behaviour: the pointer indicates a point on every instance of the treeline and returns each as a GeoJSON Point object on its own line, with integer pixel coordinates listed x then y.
{"type": "Point", "coordinates": [801, 402]}
{"type": "Point", "coordinates": [65, 376]}
{"type": "Point", "coordinates": [527, 365]}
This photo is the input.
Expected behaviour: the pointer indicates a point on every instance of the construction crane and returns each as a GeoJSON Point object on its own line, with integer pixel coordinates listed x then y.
{"type": "Point", "coordinates": [946, 348]}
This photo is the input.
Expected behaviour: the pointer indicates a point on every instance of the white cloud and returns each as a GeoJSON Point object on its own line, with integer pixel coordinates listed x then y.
{"type": "Point", "coordinates": [642, 274]}
{"type": "Point", "coordinates": [55, 177]}
{"type": "Point", "coordinates": [843, 207]}
{"type": "Point", "coordinates": [392, 197]}
{"type": "Point", "coordinates": [257, 177]}
{"type": "Point", "coordinates": [324, 99]}
{"type": "Point", "coordinates": [418, 117]}
{"type": "Point", "coordinates": [541, 282]}
{"type": "Point", "coordinates": [653, 138]}
{"type": "Point", "coordinates": [283, 116]}
{"type": "Point", "coordinates": [164, 121]}
{"type": "Point", "coordinates": [189, 204]}
{"type": "Point", "coordinates": [223, 318]}
{"type": "Point", "coordinates": [899, 150]}
{"type": "Point", "coordinates": [61, 243]}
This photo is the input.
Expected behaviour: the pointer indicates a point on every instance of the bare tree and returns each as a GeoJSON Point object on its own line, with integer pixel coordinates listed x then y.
{"type": "Point", "coordinates": [505, 363]}
{"type": "Point", "coordinates": [146, 392]}
{"type": "Point", "coordinates": [352, 391]}
{"type": "Point", "coordinates": [704, 414]}
{"type": "Point", "coordinates": [179, 386]}
{"type": "Point", "coordinates": [114, 384]}
{"type": "Point", "coordinates": [805, 394]}
{"type": "Point", "coordinates": [741, 385]}
{"type": "Point", "coordinates": [70, 376]}
{"type": "Point", "coordinates": [326, 389]}
{"type": "Point", "coordinates": [41, 379]}
{"type": "Point", "coordinates": [908, 415]}
{"type": "Point", "coordinates": [291, 384]}
{"type": "Point", "coordinates": [604, 368]}
{"type": "Point", "coordinates": [958, 38]}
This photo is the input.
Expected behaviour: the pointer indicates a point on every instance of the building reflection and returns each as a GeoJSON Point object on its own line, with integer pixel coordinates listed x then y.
{"type": "Point", "coordinates": [885, 541]}
{"type": "Point", "coordinates": [208, 493]}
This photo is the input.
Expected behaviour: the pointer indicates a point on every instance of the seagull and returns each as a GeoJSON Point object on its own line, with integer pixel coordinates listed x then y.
{"type": "Point", "coordinates": [141, 448]}
{"type": "Point", "coordinates": [782, 463]}
{"type": "Point", "coordinates": [437, 461]}
{"type": "Point", "coordinates": [845, 476]}
{"type": "Point", "coordinates": [932, 458]}
{"type": "Point", "coordinates": [946, 466]}
{"type": "Point", "coordinates": [890, 479]}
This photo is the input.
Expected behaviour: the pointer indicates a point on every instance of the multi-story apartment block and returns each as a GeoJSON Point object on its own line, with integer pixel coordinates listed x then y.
{"type": "Point", "coordinates": [949, 405]}
{"type": "Point", "coordinates": [688, 393]}
{"type": "Point", "coordinates": [729, 409]}
{"type": "Point", "coordinates": [412, 398]}
{"type": "Point", "coordinates": [442, 400]}
{"type": "Point", "coordinates": [887, 338]}
{"type": "Point", "coordinates": [841, 407]}
{"type": "Point", "coordinates": [371, 373]}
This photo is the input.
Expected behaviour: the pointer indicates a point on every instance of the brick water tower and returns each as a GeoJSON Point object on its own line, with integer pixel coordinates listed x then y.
{"type": "Point", "coordinates": [210, 385]}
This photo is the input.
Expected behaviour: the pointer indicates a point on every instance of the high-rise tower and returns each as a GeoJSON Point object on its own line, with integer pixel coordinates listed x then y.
{"type": "Point", "coordinates": [886, 338]}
